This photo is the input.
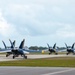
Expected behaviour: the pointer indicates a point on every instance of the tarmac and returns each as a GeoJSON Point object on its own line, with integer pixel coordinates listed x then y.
{"type": "Point", "coordinates": [36, 71]}
{"type": "Point", "coordinates": [4, 58]}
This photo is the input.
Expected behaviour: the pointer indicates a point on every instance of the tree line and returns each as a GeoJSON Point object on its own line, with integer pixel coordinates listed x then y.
{"type": "Point", "coordinates": [42, 48]}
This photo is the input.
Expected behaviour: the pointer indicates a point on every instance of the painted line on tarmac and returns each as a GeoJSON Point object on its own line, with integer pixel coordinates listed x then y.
{"type": "Point", "coordinates": [59, 72]}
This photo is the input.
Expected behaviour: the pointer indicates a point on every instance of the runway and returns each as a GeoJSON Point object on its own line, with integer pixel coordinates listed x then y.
{"type": "Point", "coordinates": [36, 71]}
{"type": "Point", "coordinates": [4, 58]}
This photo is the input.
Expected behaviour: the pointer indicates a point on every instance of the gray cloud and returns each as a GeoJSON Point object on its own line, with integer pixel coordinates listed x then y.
{"type": "Point", "coordinates": [37, 18]}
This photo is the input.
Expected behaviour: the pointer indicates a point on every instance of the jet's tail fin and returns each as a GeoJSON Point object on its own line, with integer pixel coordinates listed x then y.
{"type": "Point", "coordinates": [66, 45]}
{"type": "Point", "coordinates": [22, 44]}
{"type": "Point", "coordinates": [48, 45]}
{"type": "Point", "coordinates": [12, 43]}
{"type": "Point", "coordinates": [54, 46]}
{"type": "Point", "coordinates": [73, 45]}
{"type": "Point", "coordinates": [4, 44]}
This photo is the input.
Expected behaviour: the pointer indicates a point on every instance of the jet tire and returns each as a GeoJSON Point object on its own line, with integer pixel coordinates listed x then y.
{"type": "Point", "coordinates": [25, 57]}
{"type": "Point", "coordinates": [13, 57]}
{"type": "Point", "coordinates": [6, 55]}
{"type": "Point", "coordinates": [67, 53]}
{"type": "Point", "coordinates": [56, 53]}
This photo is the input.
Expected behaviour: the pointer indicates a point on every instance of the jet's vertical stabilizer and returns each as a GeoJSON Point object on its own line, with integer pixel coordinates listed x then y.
{"type": "Point", "coordinates": [73, 45]}
{"type": "Point", "coordinates": [48, 45]}
{"type": "Point", "coordinates": [12, 43]}
{"type": "Point", "coordinates": [66, 46]}
{"type": "Point", "coordinates": [54, 46]}
{"type": "Point", "coordinates": [22, 44]}
{"type": "Point", "coordinates": [4, 44]}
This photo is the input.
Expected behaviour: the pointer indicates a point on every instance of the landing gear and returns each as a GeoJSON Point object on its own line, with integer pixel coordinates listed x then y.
{"type": "Point", "coordinates": [49, 53]}
{"type": "Point", "coordinates": [13, 57]}
{"type": "Point", "coordinates": [7, 55]}
{"type": "Point", "coordinates": [56, 53]}
{"type": "Point", "coordinates": [67, 53]}
{"type": "Point", "coordinates": [25, 56]}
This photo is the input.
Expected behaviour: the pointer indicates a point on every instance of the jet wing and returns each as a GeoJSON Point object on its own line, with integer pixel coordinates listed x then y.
{"type": "Point", "coordinates": [25, 52]}
{"type": "Point", "coordinates": [33, 50]}
{"type": "Point", "coordinates": [64, 50]}
{"type": "Point", "coordinates": [5, 50]}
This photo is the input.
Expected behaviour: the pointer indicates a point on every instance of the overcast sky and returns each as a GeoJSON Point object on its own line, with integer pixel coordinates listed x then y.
{"type": "Point", "coordinates": [37, 21]}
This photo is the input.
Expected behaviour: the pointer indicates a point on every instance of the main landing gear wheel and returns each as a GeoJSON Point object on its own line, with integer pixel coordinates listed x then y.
{"type": "Point", "coordinates": [56, 53]}
{"type": "Point", "coordinates": [7, 55]}
{"type": "Point", "coordinates": [67, 53]}
{"type": "Point", "coordinates": [25, 57]}
{"type": "Point", "coordinates": [13, 57]}
{"type": "Point", "coordinates": [49, 53]}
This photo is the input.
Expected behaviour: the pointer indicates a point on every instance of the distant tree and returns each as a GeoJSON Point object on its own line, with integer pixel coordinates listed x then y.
{"type": "Point", "coordinates": [33, 47]}
{"type": "Point", "coordinates": [41, 48]}
{"type": "Point", "coordinates": [36, 48]}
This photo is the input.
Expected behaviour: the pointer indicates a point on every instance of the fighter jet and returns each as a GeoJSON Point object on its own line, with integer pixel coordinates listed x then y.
{"type": "Point", "coordinates": [20, 51]}
{"type": "Point", "coordinates": [52, 49]}
{"type": "Point", "coordinates": [70, 49]}
{"type": "Point", "coordinates": [15, 51]}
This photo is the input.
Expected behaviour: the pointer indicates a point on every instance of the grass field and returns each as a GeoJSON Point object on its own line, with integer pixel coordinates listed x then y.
{"type": "Point", "coordinates": [45, 62]}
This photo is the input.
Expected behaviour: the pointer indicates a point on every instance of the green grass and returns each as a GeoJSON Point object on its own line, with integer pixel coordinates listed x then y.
{"type": "Point", "coordinates": [47, 62]}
